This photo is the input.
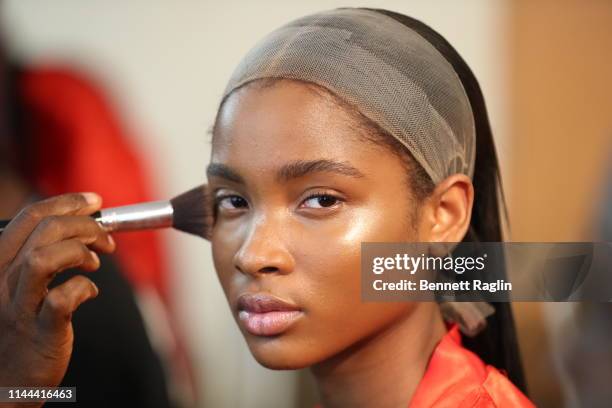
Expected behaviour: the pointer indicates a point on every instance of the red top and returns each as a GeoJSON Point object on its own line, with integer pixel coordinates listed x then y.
{"type": "Point", "coordinates": [79, 143]}
{"type": "Point", "coordinates": [457, 378]}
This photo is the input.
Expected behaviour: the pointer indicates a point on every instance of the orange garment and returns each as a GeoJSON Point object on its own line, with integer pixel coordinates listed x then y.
{"type": "Point", "coordinates": [456, 377]}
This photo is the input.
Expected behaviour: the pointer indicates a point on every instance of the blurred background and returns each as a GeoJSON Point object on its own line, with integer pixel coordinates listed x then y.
{"type": "Point", "coordinates": [545, 70]}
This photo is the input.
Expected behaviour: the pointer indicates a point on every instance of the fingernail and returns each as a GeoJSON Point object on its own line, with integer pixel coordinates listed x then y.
{"type": "Point", "coordinates": [110, 240]}
{"type": "Point", "coordinates": [91, 198]}
{"type": "Point", "coordinates": [95, 288]}
{"type": "Point", "coordinates": [95, 257]}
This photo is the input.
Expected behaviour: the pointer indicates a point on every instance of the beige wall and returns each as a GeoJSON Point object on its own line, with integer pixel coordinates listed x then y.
{"type": "Point", "coordinates": [561, 115]}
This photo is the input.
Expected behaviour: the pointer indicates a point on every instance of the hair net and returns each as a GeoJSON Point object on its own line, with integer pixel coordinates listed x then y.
{"type": "Point", "coordinates": [386, 70]}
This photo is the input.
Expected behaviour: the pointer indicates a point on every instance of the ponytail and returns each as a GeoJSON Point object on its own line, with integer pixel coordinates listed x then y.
{"type": "Point", "coordinates": [497, 345]}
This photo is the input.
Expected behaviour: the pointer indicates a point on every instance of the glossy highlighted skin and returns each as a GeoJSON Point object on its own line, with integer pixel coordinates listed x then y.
{"type": "Point", "coordinates": [297, 187]}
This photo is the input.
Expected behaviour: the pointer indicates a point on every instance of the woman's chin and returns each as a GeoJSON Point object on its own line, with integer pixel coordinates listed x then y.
{"type": "Point", "coordinates": [276, 353]}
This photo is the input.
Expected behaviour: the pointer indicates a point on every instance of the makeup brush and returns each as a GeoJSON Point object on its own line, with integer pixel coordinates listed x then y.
{"type": "Point", "coordinates": [188, 212]}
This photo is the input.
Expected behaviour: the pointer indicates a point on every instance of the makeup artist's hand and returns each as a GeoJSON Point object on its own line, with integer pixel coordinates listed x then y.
{"type": "Point", "coordinates": [35, 323]}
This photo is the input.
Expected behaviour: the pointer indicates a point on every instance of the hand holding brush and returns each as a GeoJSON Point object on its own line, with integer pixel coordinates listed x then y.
{"type": "Point", "coordinates": [188, 212]}
{"type": "Point", "coordinates": [53, 235]}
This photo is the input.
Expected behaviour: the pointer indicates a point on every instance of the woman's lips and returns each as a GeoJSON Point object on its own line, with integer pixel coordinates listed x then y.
{"type": "Point", "coordinates": [265, 315]}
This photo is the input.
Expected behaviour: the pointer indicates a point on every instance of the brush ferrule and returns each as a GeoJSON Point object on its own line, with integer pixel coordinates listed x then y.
{"type": "Point", "coordinates": [157, 214]}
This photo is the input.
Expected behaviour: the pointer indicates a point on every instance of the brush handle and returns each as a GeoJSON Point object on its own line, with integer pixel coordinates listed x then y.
{"type": "Point", "coordinates": [3, 223]}
{"type": "Point", "coordinates": [155, 214]}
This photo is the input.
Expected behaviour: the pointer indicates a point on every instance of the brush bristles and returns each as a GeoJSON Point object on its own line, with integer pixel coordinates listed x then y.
{"type": "Point", "coordinates": [193, 212]}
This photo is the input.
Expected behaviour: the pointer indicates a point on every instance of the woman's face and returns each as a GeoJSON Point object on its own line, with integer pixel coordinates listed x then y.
{"type": "Point", "coordinates": [297, 191]}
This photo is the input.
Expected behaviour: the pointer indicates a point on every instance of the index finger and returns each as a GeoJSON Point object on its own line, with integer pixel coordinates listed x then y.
{"type": "Point", "coordinates": [20, 228]}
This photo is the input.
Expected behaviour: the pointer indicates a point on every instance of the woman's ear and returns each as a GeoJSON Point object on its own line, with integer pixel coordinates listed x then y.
{"type": "Point", "coordinates": [446, 213]}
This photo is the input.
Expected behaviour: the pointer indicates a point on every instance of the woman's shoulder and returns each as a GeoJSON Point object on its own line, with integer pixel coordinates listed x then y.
{"type": "Point", "coordinates": [456, 377]}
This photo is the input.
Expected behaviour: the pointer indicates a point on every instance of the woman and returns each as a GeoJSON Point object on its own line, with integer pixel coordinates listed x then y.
{"type": "Point", "coordinates": [346, 126]}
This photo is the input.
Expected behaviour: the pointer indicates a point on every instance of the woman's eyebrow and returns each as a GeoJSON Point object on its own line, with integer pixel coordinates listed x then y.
{"type": "Point", "coordinates": [301, 168]}
{"type": "Point", "coordinates": [223, 171]}
{"type": "Point", "coordinates": [292, 170]}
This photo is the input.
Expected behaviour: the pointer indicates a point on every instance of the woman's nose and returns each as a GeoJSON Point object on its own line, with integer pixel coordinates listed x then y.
{"type": "Point", "coordinates": [263, 250]}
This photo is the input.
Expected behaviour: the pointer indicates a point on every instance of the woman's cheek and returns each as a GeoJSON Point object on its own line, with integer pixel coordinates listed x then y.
{"type": "Point", "coordinates": [223, 250]}
{"type": "Point", "coordinates": [331, 259]}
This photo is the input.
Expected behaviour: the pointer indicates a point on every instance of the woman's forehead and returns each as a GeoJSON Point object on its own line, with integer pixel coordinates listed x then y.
{"type": "Point", "coordinates": [289, 120]}
{"type": "Point", "coordinates": [263, 129]}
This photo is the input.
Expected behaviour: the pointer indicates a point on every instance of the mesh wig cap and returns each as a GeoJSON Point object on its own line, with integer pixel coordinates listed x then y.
{"type": "Point", "coordinates": [391, 74]}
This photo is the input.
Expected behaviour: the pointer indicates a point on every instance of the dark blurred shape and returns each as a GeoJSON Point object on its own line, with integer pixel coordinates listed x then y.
{"type": "Point", "coordinates": [586, 355]}
{"type": "Point", "coordinates": [113, 363]}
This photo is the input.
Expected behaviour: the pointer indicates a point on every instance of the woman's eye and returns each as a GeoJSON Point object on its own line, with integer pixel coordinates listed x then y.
{"type": "Point", "coordinates": [231, 202]}
{"type": "Point", "coordinates": [321, 201]}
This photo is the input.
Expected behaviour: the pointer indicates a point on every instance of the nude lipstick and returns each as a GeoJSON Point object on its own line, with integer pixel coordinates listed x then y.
{"type": "Point", "coordinates": [265, 315]}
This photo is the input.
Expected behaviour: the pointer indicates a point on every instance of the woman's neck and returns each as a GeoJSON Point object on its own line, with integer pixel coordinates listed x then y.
{"type": "Point", "coordinates": [384, 370]}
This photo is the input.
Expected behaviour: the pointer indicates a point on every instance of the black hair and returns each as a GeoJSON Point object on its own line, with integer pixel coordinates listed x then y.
{"type": "Point", "coordinates": [497, 344]}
